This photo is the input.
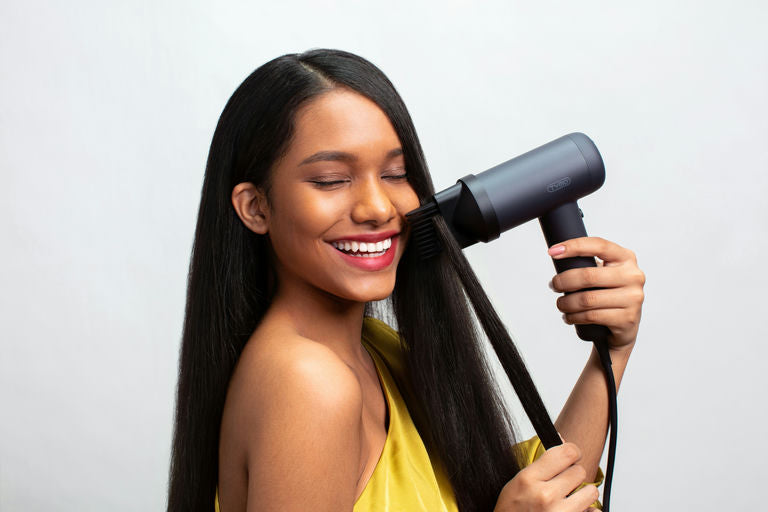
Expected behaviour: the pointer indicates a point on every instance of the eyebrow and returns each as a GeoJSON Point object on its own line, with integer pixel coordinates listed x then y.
{"type": "Point", "coordinates": [335, 156]}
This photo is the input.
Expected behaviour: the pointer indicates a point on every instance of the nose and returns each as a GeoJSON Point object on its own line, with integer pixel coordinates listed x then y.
{"type": "Point", "coordinates": [372, 203]}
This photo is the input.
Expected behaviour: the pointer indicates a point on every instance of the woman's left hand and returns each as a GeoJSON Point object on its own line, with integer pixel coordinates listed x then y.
{"type": "Point", "coordinates": [618, 305]}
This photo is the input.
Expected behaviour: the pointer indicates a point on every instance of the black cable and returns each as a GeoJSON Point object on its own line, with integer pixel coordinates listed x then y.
{"type": "Point", "coordinates": [605, 359]}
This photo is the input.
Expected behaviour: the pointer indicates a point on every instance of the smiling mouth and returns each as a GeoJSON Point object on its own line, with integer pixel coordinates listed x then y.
{"type": "Point", "coordinates": [363, 249]}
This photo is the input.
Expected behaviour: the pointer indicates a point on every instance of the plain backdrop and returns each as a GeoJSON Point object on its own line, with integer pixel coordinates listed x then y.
{"type": "Point", "coordinates": [107, 110]}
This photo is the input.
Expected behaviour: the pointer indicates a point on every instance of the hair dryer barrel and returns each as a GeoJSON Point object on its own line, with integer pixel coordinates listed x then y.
{"type": "Point", "coordinates": [483, 206]}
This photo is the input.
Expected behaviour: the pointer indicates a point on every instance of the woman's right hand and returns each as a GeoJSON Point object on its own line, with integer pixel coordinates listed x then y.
{"type": "Point", "coordinates": [545, 484]}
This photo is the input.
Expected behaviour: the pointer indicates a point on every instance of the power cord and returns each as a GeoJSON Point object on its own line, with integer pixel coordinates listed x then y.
{"type": "Point", "coordinates": [605, 360]}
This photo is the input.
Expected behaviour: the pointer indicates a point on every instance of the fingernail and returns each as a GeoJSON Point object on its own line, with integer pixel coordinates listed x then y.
{"type": "Point", "coordinates": [551, 286]}
{"type": "Point", "coordinates": [558, 249]}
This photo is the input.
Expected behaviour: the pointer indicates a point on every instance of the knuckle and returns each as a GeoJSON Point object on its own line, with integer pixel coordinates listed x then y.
{"type": "Point", "coordinates": [545, 496]}
{"type": "Point", "coordinates": [524, 471]}
{"type": "Point", "coordinates": [591, 276]}
{"type": "Point", "coordinates": [523, 479]}
{"type": "Point", "coordinates": [581, 473]}
{"type": "Point", "coordinates": [570, 451]}
{"type": "Point", "coordinates": [587, 299]}
{"type": "Point", "coordinates": [592, 316]}
{"type": "Point", "coordinates": [631, 319]}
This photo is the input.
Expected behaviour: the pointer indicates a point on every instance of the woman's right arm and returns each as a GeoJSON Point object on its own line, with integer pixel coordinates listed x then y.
{"type": "Point", "coordinates": [299, 419]}
{"type": "Point", "coordinates": [545, 484]}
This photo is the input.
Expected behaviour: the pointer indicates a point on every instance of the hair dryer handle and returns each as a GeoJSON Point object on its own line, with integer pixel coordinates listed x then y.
{"type": "Point", "coordinates": [563, 223]}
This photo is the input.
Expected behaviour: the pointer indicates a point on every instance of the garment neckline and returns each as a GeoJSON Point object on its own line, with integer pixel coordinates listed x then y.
{"type": "Point", "coordinates": [380, 368]}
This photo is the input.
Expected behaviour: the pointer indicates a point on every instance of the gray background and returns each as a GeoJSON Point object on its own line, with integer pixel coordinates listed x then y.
{"type": "Point", "coordinates": [107, 110]}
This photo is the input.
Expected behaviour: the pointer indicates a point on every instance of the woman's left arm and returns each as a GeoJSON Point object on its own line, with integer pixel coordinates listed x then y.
{"type": "Point", "coordinates": [618, 306]}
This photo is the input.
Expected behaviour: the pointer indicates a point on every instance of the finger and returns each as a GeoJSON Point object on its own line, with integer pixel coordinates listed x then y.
{"type": "Point", "coordinates": [612, 298]}
{"type": "Point", "coordinates": [617, 275]}
{"type": "Point", "coordinates": [606, 250]}
{"type": "Point", "coordinates": [554, 461]}
{"type": "Point", "coordinates": [582, 499]}
{"type": "Point", "coordinates": [572, 477]}
{"type": "Point", "coordinates": [590, 277]}
{"type": "Point", "coordinates": [607, 317]}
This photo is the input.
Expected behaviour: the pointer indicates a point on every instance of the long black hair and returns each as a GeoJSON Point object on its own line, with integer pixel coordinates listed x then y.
{"type": "Point", "coordinates": [462, 419]}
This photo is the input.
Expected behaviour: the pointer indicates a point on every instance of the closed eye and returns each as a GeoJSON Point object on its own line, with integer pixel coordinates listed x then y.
{"type": "Point", "coordinates": [396, 174]}
{"type": "Point", "coordinates": [327, 183]}
{"type": "Point", "coordinates": [396, 177]}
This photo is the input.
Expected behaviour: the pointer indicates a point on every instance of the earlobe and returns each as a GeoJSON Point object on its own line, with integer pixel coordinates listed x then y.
{"type": "Point", "coordinates": [251, 206]}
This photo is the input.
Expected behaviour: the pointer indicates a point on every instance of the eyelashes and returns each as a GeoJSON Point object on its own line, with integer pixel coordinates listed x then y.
{"type": "Point", "coordinates": [334, 182]}
{"type": "Point", "coordinates": [395, 176]}
{"type": "Point", "coordinates": [327, 183]}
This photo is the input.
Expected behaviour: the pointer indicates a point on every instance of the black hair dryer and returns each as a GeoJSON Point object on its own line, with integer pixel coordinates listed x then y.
{"type": "Point", "coordinates": [545, 182]}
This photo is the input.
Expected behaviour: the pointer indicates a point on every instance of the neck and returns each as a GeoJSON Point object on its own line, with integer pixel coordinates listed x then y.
{"type": "Point", "coordinates": [324, 318]}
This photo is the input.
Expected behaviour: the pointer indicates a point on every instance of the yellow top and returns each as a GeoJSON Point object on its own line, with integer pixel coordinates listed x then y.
{"type": "Point", "coordinates": [406, 478]}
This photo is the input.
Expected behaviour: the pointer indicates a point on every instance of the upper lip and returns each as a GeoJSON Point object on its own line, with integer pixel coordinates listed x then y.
{"type": "Point", "coordinates": [367, 237]}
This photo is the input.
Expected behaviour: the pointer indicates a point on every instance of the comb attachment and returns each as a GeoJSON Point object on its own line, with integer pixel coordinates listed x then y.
{"type": "Point", "coordinates": [423, 233]}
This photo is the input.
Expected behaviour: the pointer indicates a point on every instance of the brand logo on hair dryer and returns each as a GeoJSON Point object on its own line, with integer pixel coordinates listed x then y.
{"type": "Point", "coordinates": [554, 187]}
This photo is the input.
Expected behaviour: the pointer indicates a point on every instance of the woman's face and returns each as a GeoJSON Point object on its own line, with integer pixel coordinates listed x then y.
{"type": "Point", "coordinates": [338, 200]}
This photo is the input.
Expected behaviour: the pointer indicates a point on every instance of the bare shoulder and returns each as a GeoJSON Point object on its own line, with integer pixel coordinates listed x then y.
{"type": "Point", "coordinates": [281, 368]}
{"type": "Point", "coordinates": [291, 425]}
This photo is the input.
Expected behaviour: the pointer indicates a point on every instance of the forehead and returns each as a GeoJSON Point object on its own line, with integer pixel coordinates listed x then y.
{"type": "Point", "coordinates": [342, 120]}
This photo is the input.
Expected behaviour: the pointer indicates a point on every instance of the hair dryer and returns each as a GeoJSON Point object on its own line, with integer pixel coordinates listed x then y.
{"type": "Point", "coordinates": [545, 182]}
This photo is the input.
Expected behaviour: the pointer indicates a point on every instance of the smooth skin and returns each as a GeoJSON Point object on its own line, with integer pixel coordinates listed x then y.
{"type": "Point", "coordinates": [305, 364]}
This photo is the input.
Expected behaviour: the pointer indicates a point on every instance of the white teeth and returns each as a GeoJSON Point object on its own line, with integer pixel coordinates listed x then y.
{"type": "Point", "coordinates": [363, 249]}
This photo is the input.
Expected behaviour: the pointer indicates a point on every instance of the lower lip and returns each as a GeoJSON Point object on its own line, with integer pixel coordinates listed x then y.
{"type": "Point", "coordinates": [372, 264]}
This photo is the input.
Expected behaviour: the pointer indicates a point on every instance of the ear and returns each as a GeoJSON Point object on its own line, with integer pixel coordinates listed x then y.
{"type": "Point", "coordinates": [252, 207]}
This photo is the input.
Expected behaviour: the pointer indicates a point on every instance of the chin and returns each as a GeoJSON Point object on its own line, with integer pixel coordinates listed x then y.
{"type": "Point", "coordinates": [371, 297]}
{"type": "Point", "coordinates": [379, 297]}
{"type": "Point", "coordinates": [369, 293]}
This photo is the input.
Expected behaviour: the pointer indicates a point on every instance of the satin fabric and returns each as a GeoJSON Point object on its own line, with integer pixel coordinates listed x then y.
{"type": "Point", "coordinates": [405, 478]}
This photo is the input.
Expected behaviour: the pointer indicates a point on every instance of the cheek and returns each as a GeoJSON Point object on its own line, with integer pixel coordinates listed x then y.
{"type": "Point", "coordinates": [302, 221]}
{"type": "Point", "coordinates": [316, 216]}
{"type": "Point", "coordinates": [407, 200]}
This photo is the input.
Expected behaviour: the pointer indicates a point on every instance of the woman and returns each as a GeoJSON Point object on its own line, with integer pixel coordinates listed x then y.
{"type": "Point", "coordinates": [313, 165]}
